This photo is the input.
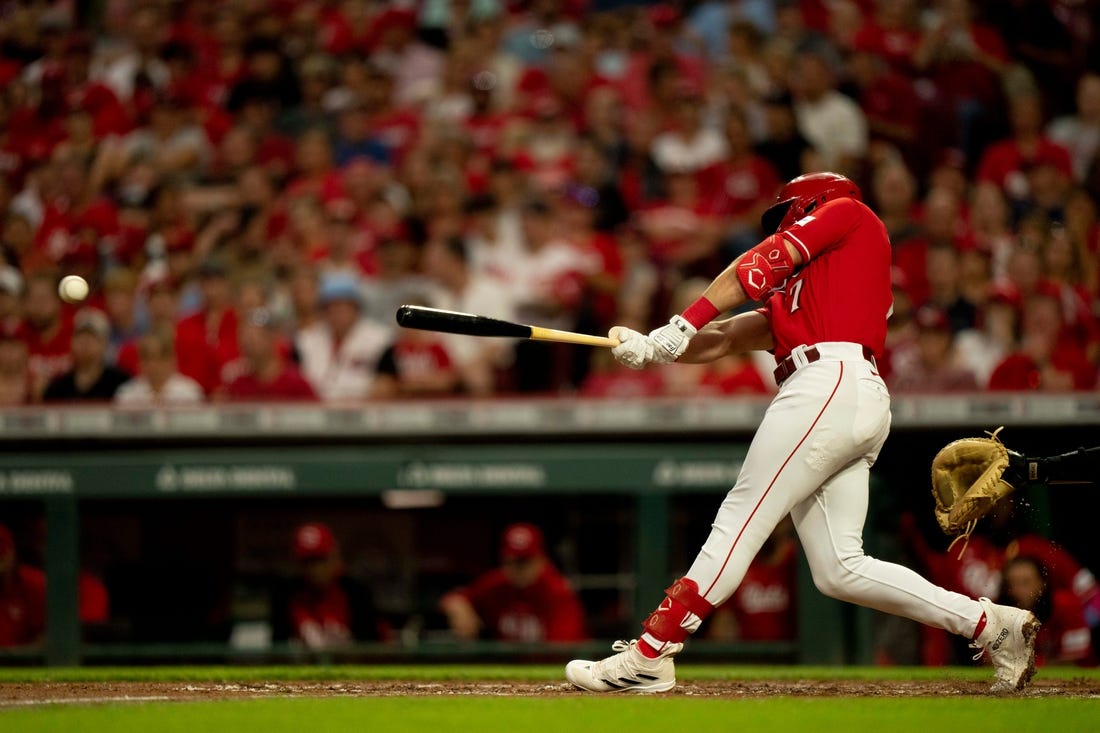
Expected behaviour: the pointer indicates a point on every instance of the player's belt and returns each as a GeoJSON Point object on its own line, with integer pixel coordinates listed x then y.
{"type": "Point", "coordinates": [809, 354]}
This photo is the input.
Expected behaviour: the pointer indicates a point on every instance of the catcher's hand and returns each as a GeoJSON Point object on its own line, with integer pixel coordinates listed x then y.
{"type": "Point", "coordinates": [969, 477]}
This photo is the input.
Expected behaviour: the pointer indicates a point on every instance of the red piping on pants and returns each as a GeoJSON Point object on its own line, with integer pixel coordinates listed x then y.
{"type": "Point", "coordinates": [774, 479]}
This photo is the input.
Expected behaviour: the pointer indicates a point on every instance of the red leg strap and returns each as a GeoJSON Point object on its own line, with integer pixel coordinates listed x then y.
{"type": "Point", "coordinates": [686, 591]}
{"type": "Point", "coordinates": [667, 622]}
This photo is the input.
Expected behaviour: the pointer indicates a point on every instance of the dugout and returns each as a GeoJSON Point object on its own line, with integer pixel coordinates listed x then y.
{"type": "Point", "coordinates": [201, 501]}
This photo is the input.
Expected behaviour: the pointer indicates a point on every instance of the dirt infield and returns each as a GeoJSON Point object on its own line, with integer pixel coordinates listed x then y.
{"type": "Point", "coordinates": [45, 693]}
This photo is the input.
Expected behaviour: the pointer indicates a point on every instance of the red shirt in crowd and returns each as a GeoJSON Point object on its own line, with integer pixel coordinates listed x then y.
{"type": "Point", "coordinates": [895, 45]}
{"type": "Point", "coordinates": [743, 184]}
{"type": "Point", "coordinates": [1004, 161]}
{"type": "Point", "coordinates": [288, 385]}
{"type": "Point", "coordinates": [201, 353]}
{"type": "Point", "coordinates": [546, 610]}
{"type": "Point", "coordinates": [23, 607]}
{"type": "Point", "coordinates": [49, 357]}
{"type": "Point", "coordinates": [1019, 372]}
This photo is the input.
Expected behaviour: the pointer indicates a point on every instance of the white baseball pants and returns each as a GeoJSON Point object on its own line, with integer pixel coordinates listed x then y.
{"type": "Point", "coordinates": [811, 457]}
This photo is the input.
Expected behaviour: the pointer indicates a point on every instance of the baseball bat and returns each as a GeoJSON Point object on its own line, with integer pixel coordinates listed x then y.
{"type": "Point", "coordinates": [468, 324]}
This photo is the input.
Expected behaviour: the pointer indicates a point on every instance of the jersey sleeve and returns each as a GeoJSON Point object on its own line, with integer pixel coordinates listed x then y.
{"type": "Point", "coordinates": [824, 228]}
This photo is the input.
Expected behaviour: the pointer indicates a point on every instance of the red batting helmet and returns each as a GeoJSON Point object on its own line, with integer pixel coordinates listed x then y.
{"type": "Point", "coordinates": [802, 195]}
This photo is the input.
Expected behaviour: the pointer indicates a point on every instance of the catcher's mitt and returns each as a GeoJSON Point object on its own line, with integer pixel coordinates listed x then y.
{"type": "Point", "coordinates": [967, 480]}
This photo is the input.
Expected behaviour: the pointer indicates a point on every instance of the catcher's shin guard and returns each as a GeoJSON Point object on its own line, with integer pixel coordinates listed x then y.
{"type": "Point", "coordinates": [679, 614]}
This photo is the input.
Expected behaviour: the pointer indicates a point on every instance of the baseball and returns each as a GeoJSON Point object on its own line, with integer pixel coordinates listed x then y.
{"type": "Point", "coordinates": [73, 288]}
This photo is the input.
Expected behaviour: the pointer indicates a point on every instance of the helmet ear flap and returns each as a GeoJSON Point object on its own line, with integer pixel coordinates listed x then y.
{"type": "Point", "coordinates": [774, 216]}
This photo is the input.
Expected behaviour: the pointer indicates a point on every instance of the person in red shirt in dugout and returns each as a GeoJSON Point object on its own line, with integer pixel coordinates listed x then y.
{"type": "Point", "coordinates": [1064, 637]}
{"type": "Point", "coordinates": [22, 597]}
{"type": "Point", "coordinates": [763, 608]}
{"type": "Point", "coordinates": [320, 612]}
{"type": "Point", "coordinates": [525, 599]}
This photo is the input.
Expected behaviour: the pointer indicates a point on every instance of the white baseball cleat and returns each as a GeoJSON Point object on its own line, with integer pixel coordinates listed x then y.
{"type": "Point", "coordinates": [629, 670]}
{"type": "Point", "coordinates": [1009, 638]}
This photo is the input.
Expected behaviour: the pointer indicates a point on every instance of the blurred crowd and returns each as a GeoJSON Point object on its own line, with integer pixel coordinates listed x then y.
{"type": "Point", "coordinates": [251, 187]}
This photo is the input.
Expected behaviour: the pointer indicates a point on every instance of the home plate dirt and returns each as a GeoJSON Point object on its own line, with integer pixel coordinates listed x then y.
{"type": "Point", "coordinates": [85, 693]}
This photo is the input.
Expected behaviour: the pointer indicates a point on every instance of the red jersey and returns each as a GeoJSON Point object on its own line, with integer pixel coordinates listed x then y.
{"type": "Point", "coordinates": [23, 607]}
{"type": "Point", "coordinates": [841, 292]}
{"type": "Point", "coordinates": [288, 385]}
{"type": "Point", "coordinates": [325, 610]}
{"type": "Point", "coordinates": [764, 602]}
{"type": "Point", "coordinates": [1063, 570]}
{"type": "Point", "coordinates": [202, 351]}
{"type": "Point", "coordinates": [1003, 163]}
{"type": "Point", "coordinates": [1064, 635]}
{"type": "Point", "coordinates": [546, 610]}
{"type": "Point", "coordinates": [49, 357]}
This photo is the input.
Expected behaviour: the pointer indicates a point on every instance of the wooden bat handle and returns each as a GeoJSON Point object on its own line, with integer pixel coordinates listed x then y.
{"type": "Point", "coordinates": [552, 334]}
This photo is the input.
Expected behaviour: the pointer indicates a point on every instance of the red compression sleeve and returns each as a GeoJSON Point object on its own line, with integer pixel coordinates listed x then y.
{"type": "Point", "coordinates": [700, 313]}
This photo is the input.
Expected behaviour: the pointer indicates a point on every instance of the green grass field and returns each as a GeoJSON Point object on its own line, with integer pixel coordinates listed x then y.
{"type": "Point", "coordinates": [1050, 711]}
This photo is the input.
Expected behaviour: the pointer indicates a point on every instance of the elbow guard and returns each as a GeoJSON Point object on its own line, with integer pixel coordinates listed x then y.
{"type": "Point", "coordinates": [764, 267]}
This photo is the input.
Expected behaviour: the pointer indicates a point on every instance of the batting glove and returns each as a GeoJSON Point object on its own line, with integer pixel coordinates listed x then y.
{"type": "Point", "coordinates": [671, 340]}
{"type": "Point", "coordinates": [635, 350]}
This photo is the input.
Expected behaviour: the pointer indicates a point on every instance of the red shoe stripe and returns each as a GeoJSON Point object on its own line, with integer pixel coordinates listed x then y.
{"type": "Point", "coordinates": [776, 478]}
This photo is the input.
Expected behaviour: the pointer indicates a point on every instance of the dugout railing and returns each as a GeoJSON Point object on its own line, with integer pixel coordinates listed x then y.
{"type": "Point", "coordinates": [66, 458]}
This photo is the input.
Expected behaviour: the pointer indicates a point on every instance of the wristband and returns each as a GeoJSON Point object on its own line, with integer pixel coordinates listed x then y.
{"type": "Point", "coordinates": [700, 313]}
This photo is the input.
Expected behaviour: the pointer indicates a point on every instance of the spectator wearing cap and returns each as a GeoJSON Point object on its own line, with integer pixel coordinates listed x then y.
{"type": "Point", "coordinates": [46, 330]}
{"type": "Point", "coordinates": [526, 599]}
{"type": "Point", "coordinates": [91, 377]}
{"type": "Point", "coordinates": [207, 340]}
{"type": "Point", "coordinates": [930, 366]}
{"type": "Point", "coordinates": [339, 355]}
{"type": "Point", "coordinates": [159, 383]}
{"type": "Point", "coordinates": [1042, 362]}
{"type": "Point", "coordinates": [22, 597]}
{"type": "Point", "coordinates": [263, 373]}
{"type": "Point", "coordinates": [319, 612]}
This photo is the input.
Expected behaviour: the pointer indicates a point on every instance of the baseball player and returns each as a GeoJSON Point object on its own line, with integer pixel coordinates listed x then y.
{"type": "Point", "coordinates": [823, 278]}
